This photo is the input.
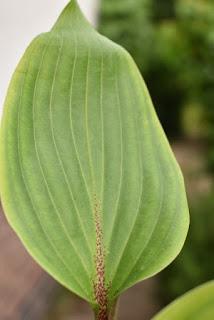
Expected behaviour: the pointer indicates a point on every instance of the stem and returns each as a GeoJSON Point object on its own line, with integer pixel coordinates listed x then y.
{"type": "Point", "coordinates": [111, 314]}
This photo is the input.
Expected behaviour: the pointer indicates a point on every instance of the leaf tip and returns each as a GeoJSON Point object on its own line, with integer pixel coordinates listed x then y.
{"type": "Point", "coordinates": [70, 18]}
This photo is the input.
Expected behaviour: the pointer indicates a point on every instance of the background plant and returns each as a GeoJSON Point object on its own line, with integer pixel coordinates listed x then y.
{"type": "Point", "coordinates": [173, 47]}
{"type": "Point", "coordinates": [196, 304]}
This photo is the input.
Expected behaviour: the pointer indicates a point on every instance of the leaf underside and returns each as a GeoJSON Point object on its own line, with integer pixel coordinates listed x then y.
{"type": "Point", "coordinates": [88, 180]}
{"type": "Point", "coordinates": [197, 304]}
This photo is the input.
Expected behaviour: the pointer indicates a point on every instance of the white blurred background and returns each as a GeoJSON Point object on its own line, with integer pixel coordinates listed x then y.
{"type": "Point", "coordinates": [20, 22]}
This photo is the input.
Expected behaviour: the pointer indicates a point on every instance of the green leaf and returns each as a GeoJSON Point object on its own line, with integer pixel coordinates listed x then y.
{"type": "Point", "coordinates": [88, 180]}
{"type": "Point", "coordinates": [197, 304]}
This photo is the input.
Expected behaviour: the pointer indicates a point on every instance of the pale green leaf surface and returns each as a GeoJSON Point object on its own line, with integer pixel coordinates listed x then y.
{"type": "Point", "coordinates": [86, 170]}
{"type": "Point", "coordinates": [197, 304]}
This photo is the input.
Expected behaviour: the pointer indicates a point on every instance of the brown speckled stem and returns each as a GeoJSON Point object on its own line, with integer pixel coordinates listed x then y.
{"type": "Point", "coordinates": [111, 314]}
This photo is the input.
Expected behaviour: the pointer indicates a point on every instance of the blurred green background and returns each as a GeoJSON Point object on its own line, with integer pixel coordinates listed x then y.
{"type": "Point", "coordinates": [172, 42]}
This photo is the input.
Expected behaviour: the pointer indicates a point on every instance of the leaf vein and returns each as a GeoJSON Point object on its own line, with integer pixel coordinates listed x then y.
{"type": "Point", "coordinates": [42, 171]}
{"type": "Point", "coordinates": [27, 189]}
{"type": "Point", "coordinates": [59, 157]}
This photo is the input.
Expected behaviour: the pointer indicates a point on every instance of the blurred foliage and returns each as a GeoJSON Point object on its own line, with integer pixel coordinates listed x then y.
{"type": "Point", "coordinates": [195, 264]}
{"type": "Point", "coordinates": [193, 121]}
{"type": "Point", "coordinates": [172, 41]}
{"type": "Point", "coordinates": [123, 22]}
